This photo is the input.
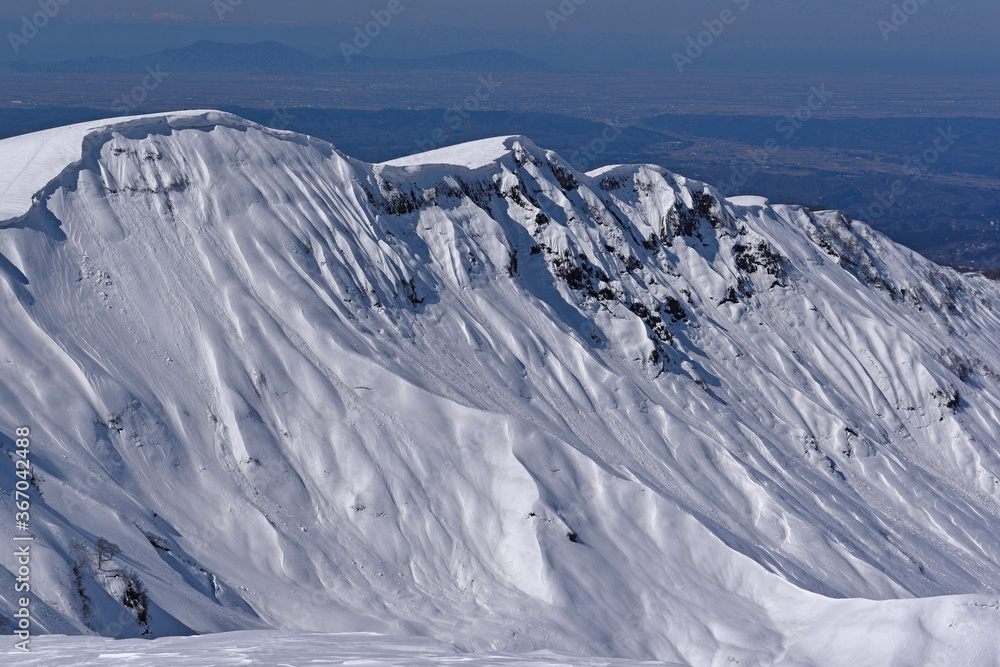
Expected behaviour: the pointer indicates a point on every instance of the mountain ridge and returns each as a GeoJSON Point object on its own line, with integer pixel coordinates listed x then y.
{"type": "Point", "coordinates": [502, 403]}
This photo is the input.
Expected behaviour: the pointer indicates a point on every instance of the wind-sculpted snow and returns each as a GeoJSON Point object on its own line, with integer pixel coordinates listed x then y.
{"type": "Point", "coordinates": [481, 397]}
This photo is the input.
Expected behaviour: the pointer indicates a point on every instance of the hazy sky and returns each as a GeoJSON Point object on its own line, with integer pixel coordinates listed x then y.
{"type": "Point", "coordinates": [618, 32]}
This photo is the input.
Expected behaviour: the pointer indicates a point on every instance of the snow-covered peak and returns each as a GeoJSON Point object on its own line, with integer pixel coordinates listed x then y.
{"type": "Point", "coordinates": [747, 201]}
{"type": "Point", "coordinates": [33, 161]}
{"type": "Point", "coordinates": [470, 155]}
{"type": "Point", "coordinates": [489, 399]}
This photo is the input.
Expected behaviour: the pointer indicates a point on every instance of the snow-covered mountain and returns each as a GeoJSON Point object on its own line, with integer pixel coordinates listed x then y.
{"type": "Point", "coordinates": [479, 396]}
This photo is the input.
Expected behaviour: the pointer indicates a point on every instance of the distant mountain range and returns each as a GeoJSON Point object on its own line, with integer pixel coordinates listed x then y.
{"type": "Point", "coordinates": [277, 58]}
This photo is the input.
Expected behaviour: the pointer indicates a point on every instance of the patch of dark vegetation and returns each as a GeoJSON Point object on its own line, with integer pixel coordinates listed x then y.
{"type": "Point", "coordinates": [106, 552]}
{"type": "Point", "coordinates": [742, 290]}
{"type": "Point", "coordinates": [835, 235]}
{"type": "Point", "coordinates": [176, 186]}
{"type": "Point", "coordinates": [480, 192]}
{"type": "Point", "coordinates": [731, 297]}
{"type": "Point", "coordinates": [703, 204]}
{"type": "Point", "coordinates": [761, 257]}
{"type": "Point", "coordinates": [408, 289]}
{"type": "Point", "coordinates": [396, 202]}
{"type": "Point", "coordinates": [957, 364]}
{"type": "Point", "coordinates": [158, 542]}
{"type": "Point", "coordinates": [147, 155]}
{"type": "Point", "coordinates": [679, 221]}
{"type": "Point", "coordinates": [512, 265]}
{"type": "Point", "coordinates": [954, 400]}
{"type": "Point", "coordinates": [136, 598]}
{"type": "Point", "coordinates": [632, 263]}
{"type": "Point", "coordinates": [80, 566]}
{"type": "Point", "coordinates": [966, 369]}
{"type": "Point", "coordinates": [395, 199]}
{"type": "Point", "coordinates": [35, 480]}
{"type": "Point", "coordinates": [949, 290]}
{"type": "Point", "coordinates": [522, 157]}
{"type": "Point", "coordinates": [651, 320]}
{"type": "Point", "coordinates": [579, 273]}
{"type": "Point", "coordinates": [674, 309]}
{"type": "Point", "coordinates": [611, 183]}
{"type": "Point", "coordinates": [517, 196]}
{"type": "Point", "coordinates": [566, 180]}
{"type": "Point", "coordinates": [950, 398]}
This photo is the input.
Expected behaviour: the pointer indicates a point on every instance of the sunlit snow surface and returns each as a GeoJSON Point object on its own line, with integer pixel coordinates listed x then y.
{"type": "Point", "coordinates": [470, 155]}
{"type": "Point", "coordinates": [481, 397]}
{"type": "Point", "coordinates": [853, 633]}
{"type": "Point", "coordinates": [31, 161]}
{"type": "Point", "coordinates": [278, 649]}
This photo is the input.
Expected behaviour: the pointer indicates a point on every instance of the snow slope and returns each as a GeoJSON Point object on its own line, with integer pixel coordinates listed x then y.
{"type": "Point", "coordinates": [283, 648]}
{"type": "Point", "coordinates": [478, 396]}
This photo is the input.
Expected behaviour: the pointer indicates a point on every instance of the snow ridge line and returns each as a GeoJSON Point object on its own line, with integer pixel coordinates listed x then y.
{"type": "Point", "coordinates": [92, 136]}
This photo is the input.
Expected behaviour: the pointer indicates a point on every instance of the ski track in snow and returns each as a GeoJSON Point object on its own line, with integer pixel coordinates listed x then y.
{"type": "Point", "coordinates": [478, 397]}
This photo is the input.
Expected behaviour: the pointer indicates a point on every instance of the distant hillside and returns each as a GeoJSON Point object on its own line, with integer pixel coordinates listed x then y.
{"type": "Point", "coordinates": [390, 133]}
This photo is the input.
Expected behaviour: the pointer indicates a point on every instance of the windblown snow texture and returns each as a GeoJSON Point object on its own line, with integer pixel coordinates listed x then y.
{"type": "Point", "coordinates": [478, 396]}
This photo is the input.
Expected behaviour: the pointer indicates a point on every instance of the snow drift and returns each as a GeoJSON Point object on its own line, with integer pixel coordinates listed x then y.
{"type": "Point", "coordinates": [478, 396]}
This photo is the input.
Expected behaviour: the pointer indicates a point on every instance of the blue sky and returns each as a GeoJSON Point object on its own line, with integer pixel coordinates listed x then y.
{"type": "Point", "coordinates": [615, 32]}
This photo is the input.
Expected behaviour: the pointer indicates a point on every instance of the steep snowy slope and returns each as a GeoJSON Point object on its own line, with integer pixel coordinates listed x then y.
{"type": "Point", "coordinates": [479, 396]}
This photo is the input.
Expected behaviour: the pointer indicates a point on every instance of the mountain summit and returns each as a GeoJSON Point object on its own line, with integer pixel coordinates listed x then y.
{"type": "Point", "coordinates": [480, 396]}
